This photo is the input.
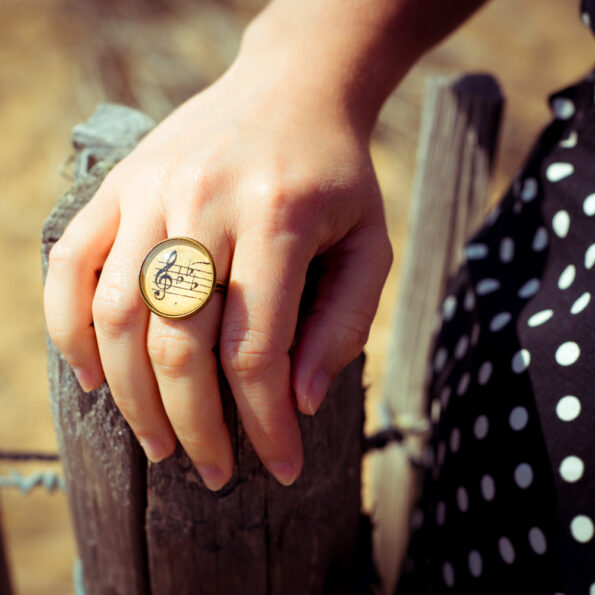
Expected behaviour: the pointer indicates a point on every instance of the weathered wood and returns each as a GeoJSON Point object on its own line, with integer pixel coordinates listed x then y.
{"type": "Point", "coordinates": [456, 151]}
{"type": "Point", "coordinates": [5, 582]}
{"type": "Point", "coordinates": [166, 533]}
{"type": "Point", "coordinates": [256, 536]}
{"type": "Point", "coordinates": [104, 468]}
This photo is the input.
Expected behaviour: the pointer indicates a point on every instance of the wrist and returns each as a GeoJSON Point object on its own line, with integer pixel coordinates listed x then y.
{"type": "Point", "coordinates": [351, 65]}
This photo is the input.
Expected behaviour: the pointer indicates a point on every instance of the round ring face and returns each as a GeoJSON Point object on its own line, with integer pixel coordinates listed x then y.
{"type": "Point", "coordinates": [177, 278]}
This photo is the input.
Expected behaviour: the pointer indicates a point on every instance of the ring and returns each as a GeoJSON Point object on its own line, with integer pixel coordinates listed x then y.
{"type": "Point", "coordinates": [178, 278]}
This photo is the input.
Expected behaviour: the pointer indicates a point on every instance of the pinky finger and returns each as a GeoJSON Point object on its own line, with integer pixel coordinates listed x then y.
{"type": "Point", "coordinates": [337, 328]}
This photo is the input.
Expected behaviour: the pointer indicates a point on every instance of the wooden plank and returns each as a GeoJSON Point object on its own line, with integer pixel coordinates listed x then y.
{"type": "Point", "coordinates": [104, 467]}
{"type": "Point", "coordinates": [456, 151]}
{"type": "Point", "coordinates": [256, 536]}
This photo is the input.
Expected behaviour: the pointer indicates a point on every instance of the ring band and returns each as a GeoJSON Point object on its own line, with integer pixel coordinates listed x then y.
{"type": "Point", "coordinates": [178, 278]}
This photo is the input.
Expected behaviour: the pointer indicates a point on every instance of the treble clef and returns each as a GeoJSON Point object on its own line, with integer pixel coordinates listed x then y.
{"type": "Point", "coordinates": [163, 280]}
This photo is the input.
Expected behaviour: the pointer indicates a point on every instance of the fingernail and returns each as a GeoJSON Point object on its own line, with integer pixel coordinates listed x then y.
{"type": "Point", "coordinates": [85, 378]}
{"type": "Point", "coordinates": [212, 476]}
{"type": "Point", "coordinates": [154, 449]}
{"type": "Point", "coordinates": [318, 389]}
{"type": "Point", "coordinates": [284, 472]}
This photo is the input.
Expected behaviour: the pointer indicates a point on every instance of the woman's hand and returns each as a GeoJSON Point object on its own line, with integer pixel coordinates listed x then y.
{"type": "Point", "coordinates": [267, 174]}
{"type": "Point", "coordinates": [268, 168]}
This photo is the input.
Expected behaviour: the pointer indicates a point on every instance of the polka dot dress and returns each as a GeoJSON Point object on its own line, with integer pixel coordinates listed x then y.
{"type": "Point", "coordinates": [509, 503]}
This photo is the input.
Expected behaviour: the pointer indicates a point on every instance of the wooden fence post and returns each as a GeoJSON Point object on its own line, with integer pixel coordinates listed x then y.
{"type": "Point", "coordinates": [458, 138]}
{"type": "Point", "coordinates": [161, 531]}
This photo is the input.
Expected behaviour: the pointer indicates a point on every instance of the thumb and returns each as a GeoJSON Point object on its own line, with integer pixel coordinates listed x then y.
{"type": "Point", "coordinates": [338, 324]}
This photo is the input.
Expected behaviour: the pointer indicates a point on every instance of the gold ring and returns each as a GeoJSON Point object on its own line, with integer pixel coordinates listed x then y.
{"type": "Point", "coordinates": [178, 278]}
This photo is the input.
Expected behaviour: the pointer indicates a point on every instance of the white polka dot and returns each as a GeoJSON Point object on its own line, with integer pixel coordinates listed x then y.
{"type": "Point", "coordinates": [589, 205]}
{"type": "Point", "coordinates": [455, 439]}
{"type": "Point", "coordinates": [558, 171]}
{"type": "Point", "coordinates": [476, 251]}
{"type": "Point", "coordinates": [568, 408]}
{"type": "Point", "coordinates": [435, 411]}
{"type": "Point", "coordinates": [540, 239]}
{"type": "Point", "coordinates": [462, 499]}
{"type": "Point", "coordinates": [461, 348]}
{"type": "Point", "coordinates": [520, 361]}
{"type": "Point", "coordinates": [561, 223]}
{"type": "Point", "coordinates": [570, 141]}
{"type": "Point", "coordinates": [540, 318]}
{"type": "Point", "coordinates": [486, 286]}
{"type": "Point", "coordinates": [518, 418]}
{"type": "Point", "coordinates": [449, 307]}
{"type": "Point", "coordinates": [500, 321]}
{"type": "Point", "coordinates": [445, 396]}
{"type": "Point", "coordinates": [506, 550]}
{"type": "Point", "coordinates": [488, 487]}
{"type": "Point", "coordinates": [586, 18]}
{"type": "Point", "coordinates": [529, 189]}
{"type": "Point", "coordinates": [463, 384]}
{"type": "Point", "coordinates": [469, 302]}
{"type": "Point", "coordinates": [485, 371]}
{"type": "Point", "coordinates": [440, 359]}
{"type": "Point", "coordinates": [568, 353]}
{"type": "Point", "coordinates": [493, 215]}
{"type": "Point", "coordinates": [475, 563]}
{"type": "Point", "coordinates": [417, 518]}
{"type": "Point", "coordinates": [581, 528]}
{"type": "Point", "coordinates": [523, 475]}
{"type": "Point", "coordinates": [567, 277]}
{"type": "Point", "coordinates": [506, 250]}
{"type": "Point", "coordinates": [448, 574]}
{"type": "Point", "coordinates": [530, 288]}
{"type": "Point", "coordinates": [590, 257]}
{"type": "Point", "coordinates": [571, 469]}
{"type": "Point", "coordinates": [440, 513]}
{"type": "Point", "coordinates": [537, 540]}
{"type": "Point", "coordinates": [581, 303]}
{"type": "Point", "coordinates": [481, 427]}
{"type": "Point", "coordinates": [563, 108]}
{"type": "Point", "coordinates": [592, 589]}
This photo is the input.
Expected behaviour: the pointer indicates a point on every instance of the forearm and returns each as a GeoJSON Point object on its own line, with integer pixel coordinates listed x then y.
{"type": "Point", "coordinates": [353, 52]}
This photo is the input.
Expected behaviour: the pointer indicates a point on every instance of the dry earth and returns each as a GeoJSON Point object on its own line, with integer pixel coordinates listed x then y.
{"type": "Point", "coordinates": [58, 59]}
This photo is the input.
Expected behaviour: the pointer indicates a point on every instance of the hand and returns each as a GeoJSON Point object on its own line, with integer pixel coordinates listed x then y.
{"type": "Point", "coordinates": [268, 174]}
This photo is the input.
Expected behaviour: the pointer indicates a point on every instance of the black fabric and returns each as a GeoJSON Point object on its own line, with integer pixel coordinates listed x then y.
{"type": "Point", "coordinates": [588, 13]}
{"type": "Point", "coordinates": [509, 504]}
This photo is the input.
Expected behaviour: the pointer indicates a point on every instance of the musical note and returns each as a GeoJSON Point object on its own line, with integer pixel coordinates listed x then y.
{"type": "Point", "coordinates": [163, 279]}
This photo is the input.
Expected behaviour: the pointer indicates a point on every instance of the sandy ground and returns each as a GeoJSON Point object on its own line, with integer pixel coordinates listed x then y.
{"type": "Point", "coordinates": [58, 62]}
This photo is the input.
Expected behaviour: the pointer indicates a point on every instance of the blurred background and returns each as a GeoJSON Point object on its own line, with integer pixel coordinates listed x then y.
{"type": "Point", "coordinates": [59, 58]}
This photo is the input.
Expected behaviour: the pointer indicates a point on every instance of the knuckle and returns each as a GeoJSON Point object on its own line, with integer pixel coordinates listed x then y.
{"type": "Point", "coordinates": [248, 353]}
{"type": "Point", "coordinates": [115, 310]}
{"type": "Point", "coordinates": [62, 256]}
{"type": "Point", "coordinates": [173, 352]}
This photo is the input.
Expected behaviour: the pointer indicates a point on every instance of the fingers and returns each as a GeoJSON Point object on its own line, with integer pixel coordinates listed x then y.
{"type": "Point", "coordinates": [186, 371]}
{"type": "Point", "coordinates": [121, 320]}
{"type": "Point", "coordinates": [257, 330]}
{"type": "Point", "coordinates": [74, 263]}
{"type": "Point", "coordinates": [185, 367]}
{"type": "Point", "coordinates": [338, 325]}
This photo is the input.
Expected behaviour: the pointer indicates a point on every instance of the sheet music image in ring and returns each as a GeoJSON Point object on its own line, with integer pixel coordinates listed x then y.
{"type": "Point", "coordinates": [177, 277]}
